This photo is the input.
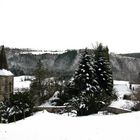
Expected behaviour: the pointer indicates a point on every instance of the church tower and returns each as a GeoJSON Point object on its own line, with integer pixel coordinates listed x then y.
{"type": "Point", "coordinates": [3, 60]}
{"type": "Point", "coordinates": [6, 77]}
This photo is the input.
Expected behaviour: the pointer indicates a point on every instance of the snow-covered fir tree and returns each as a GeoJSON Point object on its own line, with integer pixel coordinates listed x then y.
{"type": "Point", "coordinates": [83, 91]}
{"type": "Point", "coordinates": [104, 72]}
{"type": "Point", "coordinates": [19, 107]}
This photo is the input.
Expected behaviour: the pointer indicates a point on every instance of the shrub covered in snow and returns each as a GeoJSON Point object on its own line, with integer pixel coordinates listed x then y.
{"type": "Point", "coordinates": [19, 107]}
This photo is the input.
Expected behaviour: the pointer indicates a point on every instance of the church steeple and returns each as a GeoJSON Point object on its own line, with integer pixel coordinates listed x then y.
{"type": "Point", "coordinates": [3, 60]}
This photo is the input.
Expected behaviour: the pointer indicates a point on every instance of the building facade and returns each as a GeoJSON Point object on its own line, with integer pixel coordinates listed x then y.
{"type": "Point", "coordinates": [6, 86]}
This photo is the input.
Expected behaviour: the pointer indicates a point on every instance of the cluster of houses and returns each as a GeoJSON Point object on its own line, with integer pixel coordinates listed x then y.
{"type": "Point", "coordinates": [6, 77]}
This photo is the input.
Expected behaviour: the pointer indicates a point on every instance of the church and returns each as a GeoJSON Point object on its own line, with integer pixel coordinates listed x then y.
{"type": "Point", "coordinates": [6, 77]}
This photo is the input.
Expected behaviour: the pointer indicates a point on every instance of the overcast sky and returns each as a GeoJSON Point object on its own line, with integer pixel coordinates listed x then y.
{"type": "Point", "coordinates": [70, 24]}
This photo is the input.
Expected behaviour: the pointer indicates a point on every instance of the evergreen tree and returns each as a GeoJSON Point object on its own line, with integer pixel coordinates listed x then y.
{"type": "Point", "coordinates": [83, 91]}
{"type": "Point", "coordinates": [104, 72]}
{"type": "Point", "coordinates": [3, 60]}
{"type": "Point", "coordinates": [38, 84]}
{"type": "Point", "coordinates": [19, 107]}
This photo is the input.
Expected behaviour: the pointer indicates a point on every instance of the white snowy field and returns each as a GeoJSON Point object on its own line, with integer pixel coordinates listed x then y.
{"type": "Point", "coordinates": [47, 126]}
{"type": "Point", "coordinates": [22, 83]}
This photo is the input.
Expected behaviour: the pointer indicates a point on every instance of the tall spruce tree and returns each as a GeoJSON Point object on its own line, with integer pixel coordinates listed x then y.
{"type": "Point", "coordinates": [83, 92]}
{"type": "Point", "coordinates": [3, 60]}
{"type": "Point", "coordinates": [104, 72]}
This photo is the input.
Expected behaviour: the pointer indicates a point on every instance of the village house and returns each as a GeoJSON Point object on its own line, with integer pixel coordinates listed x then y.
{"type": "Point", "coordinates": [6, 77]}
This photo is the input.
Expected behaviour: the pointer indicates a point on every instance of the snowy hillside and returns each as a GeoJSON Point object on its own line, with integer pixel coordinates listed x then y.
{"type": "Point", "coordinates": [46, 126]}
{"type": "Point", "coordinates": [24, 61]}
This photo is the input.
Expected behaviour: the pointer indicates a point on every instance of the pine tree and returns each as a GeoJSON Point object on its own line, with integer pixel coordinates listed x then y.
{"type": "Point", "coordinates": [83, 91]}
{"type": "Point", "coordinates": [38, 84]}
{"type": "Point", "coordinates": [104, 72]}
{"type": "Point", "coordinates": [3, 60]}
{"type": "Point", "coordinates": [19, 107]}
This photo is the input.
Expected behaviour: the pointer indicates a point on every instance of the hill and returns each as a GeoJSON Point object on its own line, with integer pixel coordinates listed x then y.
{"type": "Point", "coordinates": [63, 64]}
{"type": "Point", "coordinates": [135, 55]}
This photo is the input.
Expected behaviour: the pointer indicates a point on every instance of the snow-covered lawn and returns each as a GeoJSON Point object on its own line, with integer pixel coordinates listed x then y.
{"type": "Point", "coordinates": [46, 126]}
{"type": "Point", "coordinates": [122, 88]}
{"type": "Point", "coordinates": [123, 104]}
{"type": "Point", "coordinates": [22, 83]}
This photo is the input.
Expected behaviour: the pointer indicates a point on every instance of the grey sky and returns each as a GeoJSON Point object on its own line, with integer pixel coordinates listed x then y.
{"type": "Point", "coordinates": [70, 24]}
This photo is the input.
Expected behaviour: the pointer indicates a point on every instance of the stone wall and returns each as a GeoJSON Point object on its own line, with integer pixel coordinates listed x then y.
{"type": "Point", "coordinates": [6, 87]}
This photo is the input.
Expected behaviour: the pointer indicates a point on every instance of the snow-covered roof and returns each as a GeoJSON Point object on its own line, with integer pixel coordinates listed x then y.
{"type": "Point", "coordinates": [4, 72]}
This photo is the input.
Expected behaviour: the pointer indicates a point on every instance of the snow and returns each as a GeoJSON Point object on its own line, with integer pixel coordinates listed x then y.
{"type": "Point", "coordinates": [123, 104]}
{"type": "Point", "coordinates": [37, 52]}
{"type": "Point", "coordinates": [22, 83]}
{"type": "Point", "coordinates": [87, 89]}
{"type": "Point", "coordinates": [44, 125]}
{"type": "Point", "coordinates": [87, 74]}
{"type": "Point", "coordinates": [122, 88]}
{"type": "Point", "coordinates": [49, 102]}
{"type": "Point", "coordinates": [4, 72]}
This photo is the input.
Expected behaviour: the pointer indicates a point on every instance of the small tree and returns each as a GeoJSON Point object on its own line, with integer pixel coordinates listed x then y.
{"type": "Point", "coordinates": [19, 107]}
{"type": "Point", "coordinates": [38, 85]}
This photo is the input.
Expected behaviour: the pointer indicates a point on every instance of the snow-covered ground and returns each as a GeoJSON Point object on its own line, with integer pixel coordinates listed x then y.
{"type": "Point", "coordinates": [46, 126]}
{"type": "Point", "coordinates": [122, 88]}
{"type": "Point", "coordinates": [22, 83]}
{"type": "Point", "coordinates": [123, 104]}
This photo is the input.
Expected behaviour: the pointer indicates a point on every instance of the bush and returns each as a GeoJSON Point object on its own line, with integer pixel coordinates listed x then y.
{"type": "Point", "coordinates": [19, 107]}
{"type": "Point", "coordinates": [137, 96]}
{"type": "Point", "coordinates": [136, 107]}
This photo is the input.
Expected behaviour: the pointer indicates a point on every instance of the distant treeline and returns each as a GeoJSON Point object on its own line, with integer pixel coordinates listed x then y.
{"type": "Point", "coordinates": [135, 55]}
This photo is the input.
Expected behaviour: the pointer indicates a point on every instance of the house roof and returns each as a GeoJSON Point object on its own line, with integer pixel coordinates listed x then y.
{"type": "Point", "coordinates": [4, 72]}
